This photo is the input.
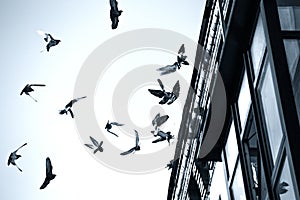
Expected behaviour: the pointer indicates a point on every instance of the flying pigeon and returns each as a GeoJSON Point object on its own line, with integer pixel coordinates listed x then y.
{"type": "Point", "coordinates": [163, 136]}
{"type": "Point", "coordinates": [28, 88]}
{"type": "Point", "coordinates": [114, 13]}
{"type": "Point", "coordinates": [170, 165]}
{"type": "Point", "coordinates": [14, 156]}
{"type": "Point", "coordinates": [133, 149]}
{"type": "Point", "coordinates": [108, 126]}
{"type": "Point", "coordinates": [159, 120]}
{"type": "Point", "coordinates": [281, 188]}
{"type": "Point", "coordinates": [96, 144]}
{"type": "Point", "coordinates": [48, 38]}
{"type": "Point", "coordinates": [181, 59]}
{"type": "Point", "coordinates": [49, 175]}
{"type": "Point", "coordinates": [167, 97]}
{"type": "Point", "coordinates": [69, 106]}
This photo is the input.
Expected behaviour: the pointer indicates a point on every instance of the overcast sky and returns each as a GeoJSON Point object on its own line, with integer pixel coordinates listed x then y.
{"type": "Point", "coordinates": [81, 26]}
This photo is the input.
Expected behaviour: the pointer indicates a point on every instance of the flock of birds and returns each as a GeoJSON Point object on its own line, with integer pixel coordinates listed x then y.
{"type": "Point", "coordinates": [167, 97]}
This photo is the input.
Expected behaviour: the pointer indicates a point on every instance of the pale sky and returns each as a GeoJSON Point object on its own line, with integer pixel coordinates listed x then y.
{"type": "Point", "coordinates": [82, 26]}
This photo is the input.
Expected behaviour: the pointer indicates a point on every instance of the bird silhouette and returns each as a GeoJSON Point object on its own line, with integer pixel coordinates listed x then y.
{"type": "Point", "coordinates": [96, 144]}
{"type": "Point", "coordinates": [48, 38]}
{"type": "Point", "coordinates": [159, 120]}
{"type": "Point", "coordinates": [69, 106]}
{"type": "Point", "coordinates": [115, 13]}
{"type": "Point", "coordinates": [162, 136]}
{"type": "Point", "coordinates": [170, 165]}
{"type": "Point", "coordinates": [108, 126]}
{"type": "Point", "coordinates": [136, 147]}
{"type": "Point", "coordinates": [281, 188]}
{"type": "Point", "coordinates": [181, 59]}
{"type": "Point", "coordinates": [28, 88]}
{"type": "Point", "coordinates": [49, 175]}
{"type": "Point", "coordinates": [14, 156]}
{"type": "Point", "coordinates": [167, 97]}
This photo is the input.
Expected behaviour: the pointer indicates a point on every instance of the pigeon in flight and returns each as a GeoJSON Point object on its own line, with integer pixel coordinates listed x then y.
{"type": "Point", "coordinates": [163, 136]}
{"type": "Point", "coordinates": [69, 106]}
{"type": "Point", "coordinates": [159, 120]}
{"type": "Point", "coordinates": [181, 59]}
{"type": "Point", "coordinates": [48, 38]}
{"type": "Point", "coordinates": [96, 144]}
{"type": "Point", "coordinates": [108, 126]}
{"type": "Point", "coordinates": [170, 165]}
{"type": "Point", "coordinates": [281, 188]}
{"type": "Point", "coordinates": [133, 149]}
{"type": "Point", "coordinates": [114, 13]}
{"type": "Point", "coordinates": [167, 97]}
{"type": "Point", "coordinates": [49, 175]}
{"type": "Point", "coordinates": [28, 88]}
{"type": "Point", "coordinates": [14, 156]}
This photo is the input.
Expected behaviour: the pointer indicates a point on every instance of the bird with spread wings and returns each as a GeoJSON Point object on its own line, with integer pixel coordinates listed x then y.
{"type": "Point", "coordinates": [136, 147]}
{"type": "Point", "coordinates": [181, 59]}
{"type": "Point", "coordinates": [167, 97]}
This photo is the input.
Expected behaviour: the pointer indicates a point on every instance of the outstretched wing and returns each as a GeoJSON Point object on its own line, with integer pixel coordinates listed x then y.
{"type": "Point", "coordinates": [160, 84]}
{"type": "Point", "coordinates": [137, 139]}
{"type": "Point", "coordinates": [112, 133]}
{"type": "Point", "coordinates": [113, 5]}
{"type": "Point", "coordinates": [71, 113]}
{"type": "Point", "coordinates": [128, 152]}
{"type": "Point", "coordinates": [176, 89]}
{"type": "Point", "coordinates": [42, 85]}
{"type": "Point", "coordinates": [116, 123]}
{"type": "Point", "coordinates": [158, 140]}
{"type": "Point", "coordinates": [154, 121]}
{"type": "Point", "coordinates": [77, 99]}
{"type": "Point", "coordinates": [162, 120]}
{"type": "Point", "coordinates": [45, 183]}
{"type": "Point", "coordinates": [167, 69]}
{"type": "Point", "coordinates": [89, 146]}
{"type": "Point", "coordinates": [48, 167]}
{"type": "Point", "coordinates": [157, 93]}
{"type": "Point", "coordinates": [181, 49]}
{"type": "Point", "coordinates": [95, 142]}
{"type": "Point", "coordinates": [20, 147]}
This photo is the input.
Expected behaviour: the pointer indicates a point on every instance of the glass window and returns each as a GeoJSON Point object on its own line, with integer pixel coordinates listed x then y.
{"type": "Point", "coordinates": [271, 112]}
{"type": "Point", "coordinates": [244, 101]}
{"type": "Point", "coordinates": [285, 187]}
{"type": "Point", "coordinates": [292, 49]}
{"type": "Point", "coordinates": [238, 189]}
{"type": "Point", "coordinates": [289, 17]}
{"type": "Point", "coordinates": [231, 149]}
{"type": "Point", "coordinates": [218, 185]}
{"type": "Point", "coordinates": [258, 46]}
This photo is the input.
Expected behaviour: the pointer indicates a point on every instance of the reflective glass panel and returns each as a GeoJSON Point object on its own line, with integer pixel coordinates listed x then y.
{"type": "Point", "coordinates": [285, 187]}
{"type": "Point", "coordinates": [289, 17]}
{"type": "Point", "coordinates": [231, 149]}
{"type": "Point", "coordinates": [238, 188]}
{"type": "Point", "coordinates": [271, 112]}
{"type": "Point", "coordinates": [258, 46]}
{"type": "Point", "coordinates": [244, 101]}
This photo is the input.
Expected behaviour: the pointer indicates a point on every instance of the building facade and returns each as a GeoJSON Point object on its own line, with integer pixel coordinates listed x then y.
{"type": "Point", "coordinates": [255, 45]}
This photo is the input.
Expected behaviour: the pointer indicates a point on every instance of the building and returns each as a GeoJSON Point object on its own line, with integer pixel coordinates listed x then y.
{"type": "Point", "coordinates": [255, 46]}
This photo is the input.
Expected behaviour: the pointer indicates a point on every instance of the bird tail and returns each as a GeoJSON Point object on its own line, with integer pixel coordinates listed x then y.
{"type": "Point", "coordinates": [53, 176]}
